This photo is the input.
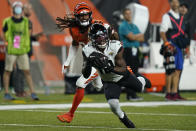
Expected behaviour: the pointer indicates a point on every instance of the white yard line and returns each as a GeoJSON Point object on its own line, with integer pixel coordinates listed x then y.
{"type": "Point", "coordinates": [89, 127]}
{"type": "Point", "coordinates": [102, 112]}
{"type": "Point", "coordinates": [97, 105]}
{"type": "Point", "coordinates": [157, 94]}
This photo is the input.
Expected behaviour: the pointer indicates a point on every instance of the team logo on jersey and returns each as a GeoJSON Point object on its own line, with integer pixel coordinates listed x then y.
{"type": "Point", "coordinates": [111, 53]}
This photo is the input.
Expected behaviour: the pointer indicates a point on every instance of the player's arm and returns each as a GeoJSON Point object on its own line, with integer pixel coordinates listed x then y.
{"type": "Point", "coordinates": [71, 54]}
{"type": "Point", "coordinates": [86, 70]}
{"type": "Point", "coordinates": [120, 65]}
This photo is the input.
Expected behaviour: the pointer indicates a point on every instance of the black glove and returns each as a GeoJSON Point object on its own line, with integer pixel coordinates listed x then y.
{"type": "Point", "coordinates": [109, 67]}
{"type": "Point", "coordinates": [98, 60]}
{"type": "Point", "coordinates": [101, 62]}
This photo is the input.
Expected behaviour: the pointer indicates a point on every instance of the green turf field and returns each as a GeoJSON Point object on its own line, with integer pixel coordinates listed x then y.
{"type": "Point", "coordinates": [160, 118]}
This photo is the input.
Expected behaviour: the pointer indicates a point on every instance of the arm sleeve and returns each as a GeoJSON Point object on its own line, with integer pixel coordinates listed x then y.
{"type": "Point", "coordinates": [86, 70]}
{"type": "Point", "coordinates": [71, 55]}
{"type": "Point", "coordinates": [165, 24]}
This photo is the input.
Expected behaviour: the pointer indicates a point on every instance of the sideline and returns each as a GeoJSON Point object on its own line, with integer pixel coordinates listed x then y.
{"type": "Point", "coordinates": [97, 105]}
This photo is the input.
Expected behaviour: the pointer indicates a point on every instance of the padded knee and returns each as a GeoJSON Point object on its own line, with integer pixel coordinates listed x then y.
{"type": "Point", "coordinates": [81, 82]}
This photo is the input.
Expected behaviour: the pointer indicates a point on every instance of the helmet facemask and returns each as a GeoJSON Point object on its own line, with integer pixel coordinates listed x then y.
{"type": "Point", "coordinates": [99, 36]}
{"type": "Point", "coordinates": [84, 22]}
{"type": "Point", "coordinates": [81, 11]}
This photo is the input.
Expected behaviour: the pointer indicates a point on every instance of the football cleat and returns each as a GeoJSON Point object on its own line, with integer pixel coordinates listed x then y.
{"type": "Point", "coordinates": [67, 117]}
{"type": "Point", "coordinates": [128, 123]}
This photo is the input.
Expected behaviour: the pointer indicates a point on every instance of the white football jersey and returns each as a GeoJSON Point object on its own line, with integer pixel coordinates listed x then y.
{"type": "Point", "coordinates": [110, 51]}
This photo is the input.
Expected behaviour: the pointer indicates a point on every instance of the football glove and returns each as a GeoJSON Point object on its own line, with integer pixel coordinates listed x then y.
{"type": "Point", "coordinates": [98, 60]}
{"type": "Point", "coordinates": [101, 62]}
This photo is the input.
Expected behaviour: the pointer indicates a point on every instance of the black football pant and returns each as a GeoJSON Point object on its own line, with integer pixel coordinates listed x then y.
{"type": "Point", "coordinates": [113, 89]}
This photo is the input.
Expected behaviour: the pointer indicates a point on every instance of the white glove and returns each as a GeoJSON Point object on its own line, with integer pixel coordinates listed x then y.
{"type": "Point", "coordinates": [71, 56]}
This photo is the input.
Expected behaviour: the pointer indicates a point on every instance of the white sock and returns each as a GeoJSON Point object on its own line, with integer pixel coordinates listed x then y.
{"type": "Point", "coordinates": [115, 107]}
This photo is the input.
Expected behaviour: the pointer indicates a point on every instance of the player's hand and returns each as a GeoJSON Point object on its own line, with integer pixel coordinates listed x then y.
{"type": "Point", "coordinates": [98, 60]}
{"type": "Point", "coordinates": [108, 68]}
{"type": "Point", "coordinates": [101, 62]}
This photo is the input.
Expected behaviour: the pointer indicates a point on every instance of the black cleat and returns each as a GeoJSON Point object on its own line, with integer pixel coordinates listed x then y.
{"type": "Point", "coordinates": [128, 123]}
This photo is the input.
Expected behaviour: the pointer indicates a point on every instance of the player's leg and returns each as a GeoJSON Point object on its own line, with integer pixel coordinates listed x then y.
{"type": "Point", "coordinates": [81, 85]}
{"type": "Point", "coordinates": [136, 83]}
{"type": "Point", "coordinates": [145, 81]}
{"type": "Point", "coordinates": [67, 117]}
{"type": "Point", "coordinates": [132, 82]}
{"type": "Point", "coordinates": [112, 94]}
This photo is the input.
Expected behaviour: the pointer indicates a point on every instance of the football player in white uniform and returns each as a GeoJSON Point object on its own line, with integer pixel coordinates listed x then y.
{"type": "Point", "coordinates": [107, 57]}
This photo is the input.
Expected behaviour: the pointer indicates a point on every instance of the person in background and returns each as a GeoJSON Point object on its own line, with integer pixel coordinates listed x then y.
{"type": "Point", "coordinates": [19, 86]}
{"type": "Point", "coordinates": [172, 31]}
{"type": "Point", "coordinates": [183, 10]}
{"type": "Point", "coordinates": [16, 35]}
{"type": "Point", "coordinates": [2, 63]}
{"type": "Point", "coordinates": [131, 38]}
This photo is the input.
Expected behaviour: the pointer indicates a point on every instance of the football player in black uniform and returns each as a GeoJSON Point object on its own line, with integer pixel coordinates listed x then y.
{"type": "Point", "coordinates": [107, 57]}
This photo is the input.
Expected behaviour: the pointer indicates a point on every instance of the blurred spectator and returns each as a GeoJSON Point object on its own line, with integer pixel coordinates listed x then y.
{"type": "Point", "coordinates": [2, 63]}
{"type": "Point", "coordinates": [16, 36]}
{"type": "Point", "coordinates": [172, 32]}
{"type": "Point", "coordinates": [183, 9]}
{"type": "Point", "coordinates": [131, 38]}
{"type": "Point", "coordinates": [19, 84]}
{"type": "Point", "coordinates": [27, 13]}
{"type": "Point", "coordinates": [17, 77]}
